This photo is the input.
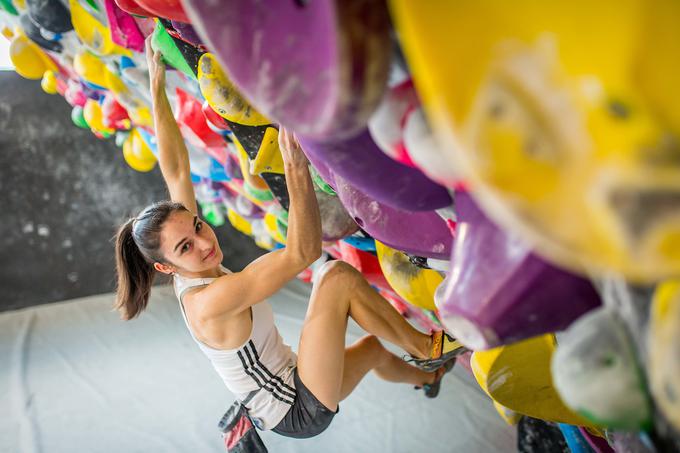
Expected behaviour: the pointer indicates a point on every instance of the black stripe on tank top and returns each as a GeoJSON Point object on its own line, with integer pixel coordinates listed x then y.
{"type": "Point", "coordinates": [261, 385]}
{"type": "Point", "coordinates": [274, 380]}
{"type": "Point", "coordinates": [266, 370]}
{"type": "Point", "coordinates": [259, 371]}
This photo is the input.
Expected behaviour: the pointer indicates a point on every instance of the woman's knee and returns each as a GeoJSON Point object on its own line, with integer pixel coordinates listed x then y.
{"type": "Point", "coordinates": [336, 273]}
{"type": "Point", "coordinates": [373, 347]}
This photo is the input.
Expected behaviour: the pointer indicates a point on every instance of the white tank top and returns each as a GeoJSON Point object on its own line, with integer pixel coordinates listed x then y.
{"type": "Point", "coordinates": [263, 362]}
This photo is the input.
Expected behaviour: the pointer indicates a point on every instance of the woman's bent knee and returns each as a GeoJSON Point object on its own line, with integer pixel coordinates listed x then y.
{"type": "Point", "coordinates": [372, 345]}
{"type": "Point", "coordinates": [336, 273]}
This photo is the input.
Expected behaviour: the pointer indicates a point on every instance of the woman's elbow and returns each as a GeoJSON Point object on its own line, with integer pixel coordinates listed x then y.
{"type": "Point", "coordinates": [304, 257]}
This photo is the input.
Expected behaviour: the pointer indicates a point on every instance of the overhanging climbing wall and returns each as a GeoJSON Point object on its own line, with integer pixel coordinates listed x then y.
{"type": "Point", "coordinates": [516, 181]}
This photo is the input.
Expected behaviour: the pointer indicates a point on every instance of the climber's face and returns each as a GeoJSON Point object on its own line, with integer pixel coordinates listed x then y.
{"type": "Point", "coordinates": [189, 244]}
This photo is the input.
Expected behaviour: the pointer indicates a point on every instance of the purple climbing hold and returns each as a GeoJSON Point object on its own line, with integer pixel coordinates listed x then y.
{"type": "Point", "coordinates": [319, 68]}
{"type": "Point", "coordinates": [360, 161]}
{"type": "Point", "coordinates": [498, 292]}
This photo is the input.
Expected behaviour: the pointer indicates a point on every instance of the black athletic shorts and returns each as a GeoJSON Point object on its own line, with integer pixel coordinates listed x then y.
{"type": "Point", "coordinates": [307, 416]}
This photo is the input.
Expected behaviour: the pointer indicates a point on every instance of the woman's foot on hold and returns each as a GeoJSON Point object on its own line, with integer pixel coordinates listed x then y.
{"type": "Point", "coordinates": [444, 349]}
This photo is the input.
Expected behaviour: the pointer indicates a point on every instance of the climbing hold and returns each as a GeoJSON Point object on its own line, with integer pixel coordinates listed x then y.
{"type": "Point", "coordinates": [167, 9]}
{"type": "Point", "coordinates": [414, 284]}
{"type": "Point", "coordinates": [36, 34]}
{"type": "Point", "coordinates": [49, 82]}
{"type": "Point", "coordinates": [187, 33]}
{"type": "Point", "coordinates": [50, 15]}
{"type": "Point", "coordinates": [387, 123]}
{"type": "Point", "coordinates": [336, 223]}
{"type": "Point", "coordinates": [528, 296]}
{"type": "Point", "coordinates": [574, 150]}
{"type": "Point", "coordinates": [418, 233]}
{"type": "Point", "coordinates": [132, 7]}
{"type": "Point", "coordinates": [93, 33]}
{"type": "Point", "coordinates": [518, 377]}
{"type": "Point", "coordinates": [268, 158]}
{"type": "Point", "coordinates": [302, 83]}
{"type": "Point", "coordinates": [137, 154]}
{"type": "Point", "coordinates": [360, 161]}
{"type": "Point", "coordinates": [28, 59]}
{"type": "Point", "coordinates": [94, 117]}
{"type": "Point", "coordinates": [164, 43]}
{"type": "Point", "coordinates": [114, 115]}
{"type": "Point", "coordinates": [223, 97]}
{"type": "Point", "coordinates": [78, 118]}
{"type": "Point", "coordinates": [123, 28]}
{"type": "Point", "coordinates": [596, 373]}
{"type": "Point", "coordinates": [664, 347]}
{"type": "Point", "coordinates": [192, 122]}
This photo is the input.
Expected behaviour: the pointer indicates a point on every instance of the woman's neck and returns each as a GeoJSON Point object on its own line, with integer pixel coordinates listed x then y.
{"type": "Point", "coordinates": [210, 273]}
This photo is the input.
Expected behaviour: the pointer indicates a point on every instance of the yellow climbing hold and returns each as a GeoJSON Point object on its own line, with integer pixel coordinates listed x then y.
{"type": "Point", "coordinates": [137, 153]}
{"type": "Point", "coordinates": [223, 96]}
{"type": "Point", "coordinates": [664, 350]}
{"type": "Point", "coordinates": [28, 59]}
{"type": "Point", "coordinates": [93, 33]}
{"type": "Point", "coordinates": [268, 159]}
{"type": "Point", "coordinates": [518, 377]}
{"type": "Point", "coordinates": [414, 284]}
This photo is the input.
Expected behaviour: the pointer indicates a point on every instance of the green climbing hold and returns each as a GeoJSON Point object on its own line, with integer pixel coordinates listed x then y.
{"type": "Point", "coordinates": [163, 42]}
{"type": "Point", "coordinates": [212, 213]}
{"type": "Point", "coordinates": [93, 4]}
{"type": "Point", "coordinates": [78, 117]}
{"type": "Point", "coordinates": [8, 6]}
{"type": "Point", "coordinates": [320, 183]}
{"type": "Point", "coordinates": [258, 194]}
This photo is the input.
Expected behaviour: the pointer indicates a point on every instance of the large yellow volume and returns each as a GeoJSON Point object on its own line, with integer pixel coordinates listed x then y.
{"type": "Point", "coordinates": [518, 377]}
{"type": "Point", "coordinates": [565, 115]}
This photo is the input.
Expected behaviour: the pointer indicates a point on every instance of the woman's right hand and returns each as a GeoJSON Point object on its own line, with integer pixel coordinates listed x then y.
{"type": "Point", "coordinates": [156, 66]}
{"type": "Point", "coordinates": [290, 149]}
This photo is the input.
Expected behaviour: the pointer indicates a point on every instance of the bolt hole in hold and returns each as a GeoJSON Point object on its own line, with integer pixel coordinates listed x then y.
{"type": "Point", "coordinates": [618, 109]}
{"type": "Point", "coordinates": [301, 3]}
{"type": "Point", "coordinates": [359, 222]}
{"type": "Point", "coordinates": [608, 361]}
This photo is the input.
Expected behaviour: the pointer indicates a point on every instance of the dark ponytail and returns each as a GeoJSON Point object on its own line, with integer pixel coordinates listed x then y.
{"type": "Point", "coordinates": [137, 248]}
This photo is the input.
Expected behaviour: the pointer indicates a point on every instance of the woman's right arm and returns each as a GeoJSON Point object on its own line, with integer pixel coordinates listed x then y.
{"type": "Point", "coordinates": [173, 155]}
{"type": "Point", "coordinates": [233, 293]}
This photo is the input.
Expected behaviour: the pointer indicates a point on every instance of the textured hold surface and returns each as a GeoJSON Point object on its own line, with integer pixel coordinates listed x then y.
{"type": "Point", "coordinates": [518, 377]}
{"type": "Point", "coordinates": [414, 284]}
{"type": "Point", "coordinates": [223, 96]}
{"type": "Point", "coordinates": [664, 351]}
{"type": "Point", "coordinates": [596, 372]}
{"type": "Point", "coordinates": [326, 86]}
{"type": "Point", "coordinates": [417, 233]}
{"type": "Point", "coordinates": [51, 15]}
{"type": "Point", "coordinates": [499, 292]}
{"type": "Point", "coordinates": [336, 223]}
{"type": "Point", "coordinates": [360, 161]}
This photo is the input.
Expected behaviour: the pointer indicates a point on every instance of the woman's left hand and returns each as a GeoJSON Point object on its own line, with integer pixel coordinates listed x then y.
{"type": "Point", "coordinates": [156, 66]}
{"type": "Point", "coordinates": [291, 151]}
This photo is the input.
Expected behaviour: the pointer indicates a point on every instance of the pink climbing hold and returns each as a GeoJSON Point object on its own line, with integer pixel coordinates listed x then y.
{"type": "Point", "coordinates": [124, 29]}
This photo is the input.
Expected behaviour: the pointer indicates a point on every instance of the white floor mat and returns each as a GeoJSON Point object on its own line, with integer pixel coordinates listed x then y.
{"type": "Point", "coordinates": [74, 378]}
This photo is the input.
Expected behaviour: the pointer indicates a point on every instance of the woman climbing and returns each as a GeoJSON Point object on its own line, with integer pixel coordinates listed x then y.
{"type": "Point", "coordinates": [227, 312]}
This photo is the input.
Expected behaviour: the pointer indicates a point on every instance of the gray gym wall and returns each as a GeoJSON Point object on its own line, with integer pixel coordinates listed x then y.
{"type": "Point", "coordinates": [63, 192]}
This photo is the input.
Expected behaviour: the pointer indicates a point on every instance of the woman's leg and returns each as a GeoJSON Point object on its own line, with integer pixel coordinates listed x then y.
{"type": "Point", "coordinates": [368, 354]}
{"type": "Point", "coordinates": [341, 291]}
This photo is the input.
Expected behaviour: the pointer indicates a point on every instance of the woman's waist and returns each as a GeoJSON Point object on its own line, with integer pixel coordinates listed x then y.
{"type": "Point", "coordinates": [248, 375]}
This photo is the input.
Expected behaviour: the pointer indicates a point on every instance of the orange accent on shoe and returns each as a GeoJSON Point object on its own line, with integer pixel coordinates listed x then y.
{"type": "Point", "coordinates": [437, 344]}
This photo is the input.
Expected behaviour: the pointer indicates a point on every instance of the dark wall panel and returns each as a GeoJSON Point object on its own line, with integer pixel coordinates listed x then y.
{"type": "Point", "coordinates": [62, 193]}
